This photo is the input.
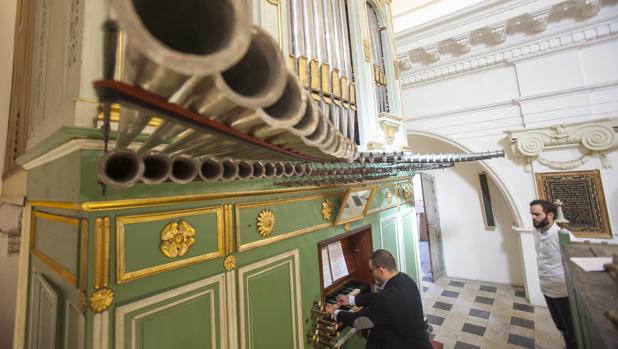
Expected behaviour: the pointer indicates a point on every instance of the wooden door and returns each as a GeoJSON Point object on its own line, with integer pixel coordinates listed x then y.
{"type": "Point", "coordinates": [433, 226]}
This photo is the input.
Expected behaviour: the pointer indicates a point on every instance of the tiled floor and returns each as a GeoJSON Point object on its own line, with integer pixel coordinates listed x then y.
{"type": "Point", "coordinates": [469, 314]}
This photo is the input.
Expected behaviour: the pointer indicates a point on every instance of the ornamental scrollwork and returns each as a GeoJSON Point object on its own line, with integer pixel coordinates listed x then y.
{"type": "Point", "coordinates": [597, 138]}
{"type": "Point", "coordinates": [177, 239]}
{"type": "Point", "coordinates": [266, 222]}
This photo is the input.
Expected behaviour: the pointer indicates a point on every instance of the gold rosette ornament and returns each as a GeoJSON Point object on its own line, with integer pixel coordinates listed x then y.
{"type": "Point", "coordinates": [266, 222]}
{"type": "Point", "coordinates": [229, 263]}
{"type": "Point", "coordinates": [176, 239]}
{"type": "Point", "coordinates": [101, 300]}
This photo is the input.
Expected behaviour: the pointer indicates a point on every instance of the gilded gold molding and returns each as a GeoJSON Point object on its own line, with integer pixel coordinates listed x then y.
{"type": "Point", "coordinates": [51, 263]}
{"type": "Point", "coordinates": [66, 205]}
{"type": "Point", "coordinates": [93, 206]}
{"type": "Point", "coordinates": [83, 255]}
{"type": "Point", "coordinates": [177, 239]}
{"type": "Point", "coordinates": [228, 214]}
{"type": "Point", "coordinates": [229, 263]}
{"type": "Point", "coordinates": [396, 69]}
{"type": "Point", "coordinates": [367, 50]}
{"type": "Point", "coordinates": [273, 239]}
{"type": "Point", "coordinates": [101, 252]}
{"type": "Point", "coordinates": [266, 223]}
{"type": "Point", "coordinates": [114, 116]}
{"type": "Point", "coordinates": [327, 210]}
{"type": "Point", "coordinates": [101, 299]}
{"type": "Point", "coordinates": [123, 276]}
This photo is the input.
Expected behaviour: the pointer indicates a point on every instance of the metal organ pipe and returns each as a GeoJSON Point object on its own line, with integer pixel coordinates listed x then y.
{"type": "Point", "coordinates": [120, 169]}
{"type": "Point", "coordinates": [184, 169]}
{"type": "Point", "coordinates": [157, 167]}
{"type": "Point", "coordinates": [211, 170]}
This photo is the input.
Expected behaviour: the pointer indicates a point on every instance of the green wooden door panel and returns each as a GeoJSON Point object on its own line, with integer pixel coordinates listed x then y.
{"type": "Point", "coordinates": [410, 247]}
{"type": "Point", "coordinates": [270, 314]}
{"type": "Point", "coordinates": [190, 316]}
{"type": "Point", "coordinates": [388, 229]}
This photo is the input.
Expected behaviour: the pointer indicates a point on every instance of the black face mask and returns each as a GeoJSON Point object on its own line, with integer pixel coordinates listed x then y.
{"type": "Point", "coordinates": [541, 224]}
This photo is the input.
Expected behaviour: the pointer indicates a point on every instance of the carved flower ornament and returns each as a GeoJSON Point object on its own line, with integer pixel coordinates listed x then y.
{"type": "Point", "coordinates": [265, 222]}
{"type": "Point", "coordinates": [101, 299]}
{"type": "Point", "coordinates": [176, 239]}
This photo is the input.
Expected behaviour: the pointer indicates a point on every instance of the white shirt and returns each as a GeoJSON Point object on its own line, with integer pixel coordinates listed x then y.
{"type": "Point", "coordinates": [549, 261]}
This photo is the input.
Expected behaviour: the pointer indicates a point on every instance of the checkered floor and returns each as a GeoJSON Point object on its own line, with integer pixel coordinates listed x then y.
{"type": "Point", "coordinates": [468, 314]}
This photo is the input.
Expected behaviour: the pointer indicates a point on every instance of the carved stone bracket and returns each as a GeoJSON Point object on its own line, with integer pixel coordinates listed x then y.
{"type": "Point", "coordinates": [597, 137]}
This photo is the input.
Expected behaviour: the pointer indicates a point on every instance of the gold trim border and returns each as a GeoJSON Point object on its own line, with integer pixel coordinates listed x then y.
{"type": "Point", "coordinates": [122, 276]}
{"type": "Point", "coordinates": [101, 252]}
{"type": "Point", "coordinates": [66, 205]}
{"type": "Point", "coordinates": [228, 214]}
{"type": "Point", "coordinates": [395, 200]}
{"type": "Point", "coordinates": [83, 255]}
{"type": "Point", "coordinates": [91, 206]}
{"type": "Point", "coordinates": [277, 238]}
{"type": "Point", "coordinates": [54, 265]}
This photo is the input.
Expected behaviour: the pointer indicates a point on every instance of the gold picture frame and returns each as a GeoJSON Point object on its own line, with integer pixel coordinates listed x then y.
{"type": "Point", "coordinates": [354, 204]}
{"type": "Point", "coordinates": [583, 199]}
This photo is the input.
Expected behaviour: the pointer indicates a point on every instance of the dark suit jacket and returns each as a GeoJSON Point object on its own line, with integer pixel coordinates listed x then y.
{"type": "Point", "coordinates": [396, 313]}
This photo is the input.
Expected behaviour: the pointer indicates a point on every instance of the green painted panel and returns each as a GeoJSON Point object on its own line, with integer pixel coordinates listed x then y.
{"type": "Point", "coordinates": [59, 241]}
{"type": "Point", "coordinates": [142, 240]}
{"type": "Point", "coordinates": [410, 247]}
{"type": "Point", "coordinates": [379, 200]}
{"type": "Point", "coordinates": [270, 306]}
{"type": "Point", "coordinates": [291, 217]}
{"type": "Point", "coordinates": [389, 237]}
{"type": "Point", "coordinates": [190, 319]}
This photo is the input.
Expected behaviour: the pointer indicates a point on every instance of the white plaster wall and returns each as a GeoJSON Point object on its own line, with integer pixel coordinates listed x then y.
{"type": "Point", "coordinates": [470, 250]}
{"type": "Point", "coordinates": [8, 289]}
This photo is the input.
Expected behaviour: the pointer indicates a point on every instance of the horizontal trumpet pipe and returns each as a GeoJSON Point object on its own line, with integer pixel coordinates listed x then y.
{"type": "Point", "coordinates": [184, 169]}
{"type": "Point", "coordinates": [120, 169]}
{"type": "Point", "coordinates": [211, 170]}
{"type": "Point", "coordinates": [157, 168]}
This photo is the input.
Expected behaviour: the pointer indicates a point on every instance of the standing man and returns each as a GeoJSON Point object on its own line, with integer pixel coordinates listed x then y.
{"type": "Point", "coordinates": [551, 272]}
{"type": "Point", "coordinates": [394, 314]}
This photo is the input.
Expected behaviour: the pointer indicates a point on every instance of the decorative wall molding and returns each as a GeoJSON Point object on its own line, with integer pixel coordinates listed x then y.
{"type": "Point", "coordinates": [593, 138]}
{"type": "Point", "coordinates": [527, 50]}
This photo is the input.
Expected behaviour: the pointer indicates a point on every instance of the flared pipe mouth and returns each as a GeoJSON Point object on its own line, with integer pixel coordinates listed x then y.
{"type": "Point", "coordinates": [309, 122]}
{"type": "Point", "coordinates": [230, 169]}
{"type": "Point", "coordinates": [184, 169]}
{"type": "Point", "coordinates": [157, 168]}
{"type": "Point", "coordinates": [308, 169]}
{"type": "Point", "coordinates": [299, 169]}
{"type": "Point", "coordinates": [279, 169]}
{"type": "Point", "coordinates": [193, 37]}
{"type": "Point", "coordinates": [211, 170]}
{"type": "Point", "coordinates": [258, 79]}
{"type": "Point", "coordinates": [245, 169]}
{"type": "Point", "coordinates": [258, 169]}
{"type": "Point", "coordinates": [269, 170]}
{"type": "Point", "coordinates": [289, 109]}
{"type": "Point", "coordinates": [288, 169]}
{"type": "Point", "coordinates": [120, 169]}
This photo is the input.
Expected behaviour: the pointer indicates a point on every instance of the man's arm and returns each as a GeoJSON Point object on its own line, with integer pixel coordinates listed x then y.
{"type": "Point", "coordinates": [376, 314]}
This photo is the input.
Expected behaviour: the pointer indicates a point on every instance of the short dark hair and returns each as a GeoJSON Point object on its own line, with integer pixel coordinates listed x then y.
{"type": "Point", "coordinates": [548, 206]}
{"type": "Point", "coordinates": [383, 258]}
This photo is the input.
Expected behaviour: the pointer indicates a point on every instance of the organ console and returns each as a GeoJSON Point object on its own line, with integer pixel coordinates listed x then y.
{"type": "Point", "coordinates": [344, 271]}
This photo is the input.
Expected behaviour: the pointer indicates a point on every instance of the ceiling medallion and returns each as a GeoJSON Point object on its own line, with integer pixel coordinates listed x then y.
{"type": "Point", "coordinates": [265, 222]}
{"type": "Point", "coordinates": [101, 299]}
{"type": "Point", "coordinates": [229, 263]}
{"type": "Point", "coordinates": [176, 239]}
{"type": "Point", "coordinates": [327, 210]}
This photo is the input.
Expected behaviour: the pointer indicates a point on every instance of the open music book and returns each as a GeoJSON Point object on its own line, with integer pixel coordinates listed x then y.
{"type": "Point", "coordinates": [333, 263]}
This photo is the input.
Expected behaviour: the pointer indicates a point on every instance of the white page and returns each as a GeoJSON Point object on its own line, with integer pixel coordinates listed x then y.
{"type": "Point", "coordinates": [591, 263]}
{"type": "Point", "coordinates": [326, 277]}
{"type": "Point", "coordinates": [337, 261]}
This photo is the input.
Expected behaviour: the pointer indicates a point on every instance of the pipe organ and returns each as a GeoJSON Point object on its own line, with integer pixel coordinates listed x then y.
{"type": "Point", "coordinates": [222, 155]}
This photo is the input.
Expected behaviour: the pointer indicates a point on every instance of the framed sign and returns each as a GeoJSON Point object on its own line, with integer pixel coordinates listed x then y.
{"type": "Point", "coordinates": [581, 193]}
{"type": "Point", "coordinates": [354, 204]}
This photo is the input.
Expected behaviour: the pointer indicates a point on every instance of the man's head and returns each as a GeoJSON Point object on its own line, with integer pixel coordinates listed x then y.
{"type": "Point", "coordinates": [382, 266]}
{"type": "Point", "coordinates": [543, 213]}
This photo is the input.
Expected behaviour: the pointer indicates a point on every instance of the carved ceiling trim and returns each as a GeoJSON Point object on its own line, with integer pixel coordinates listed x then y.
{"type": "Point", "coordinates": [509, 55]}
{"type": "Point", "coordinates": [593, 138]}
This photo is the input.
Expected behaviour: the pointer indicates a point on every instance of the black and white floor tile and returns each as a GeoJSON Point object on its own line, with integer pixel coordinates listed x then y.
{"type": "Point", "coordinates": [467, 314]}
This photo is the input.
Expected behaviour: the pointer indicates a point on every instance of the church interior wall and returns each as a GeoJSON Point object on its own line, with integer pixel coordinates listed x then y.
{"type": "Point", "coordinates": [471, 251]}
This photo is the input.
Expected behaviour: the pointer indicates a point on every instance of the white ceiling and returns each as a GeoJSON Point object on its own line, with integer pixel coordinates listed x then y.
{"type": "Point", "coordinates": [412, 13]}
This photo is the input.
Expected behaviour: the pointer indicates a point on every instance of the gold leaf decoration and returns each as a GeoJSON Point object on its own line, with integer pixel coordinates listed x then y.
{"type": "Point", "coordinates": [388, 196]}
{"type": "Point", "coordinates": [101, 299]}
{"type": "Point", "coordinates": [177, 239]}
{"type": "Point", "coordinates": [265, 222]}
{"type": "Point", "coordinates": [346, 226]}
{"type": "Point", "coordinates": [407, 191]}
{"type": "Point", "coordinates": [229, 263]}
{"type": "Point", "coordinates": [327, 210]}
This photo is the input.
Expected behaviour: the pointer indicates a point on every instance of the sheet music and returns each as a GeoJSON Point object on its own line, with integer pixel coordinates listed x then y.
{"type": "Point", "coordinates": [326, 276]}
{"type": "Point", "coordinates": [337, 261]}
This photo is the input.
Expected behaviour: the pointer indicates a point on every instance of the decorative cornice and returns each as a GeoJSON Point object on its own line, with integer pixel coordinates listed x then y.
{"type": "Point", "coordinates": [580, 37]}
{"type": "Point", "coordinates": [596, 137]}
